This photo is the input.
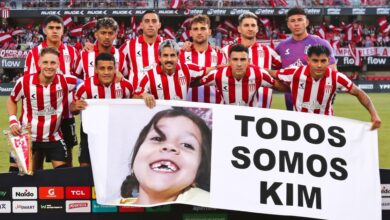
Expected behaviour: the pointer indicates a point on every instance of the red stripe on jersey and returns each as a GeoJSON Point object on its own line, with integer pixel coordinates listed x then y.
{"type": "Point", "coordinates": [267, 57]}
{"type": "Point", "coordinates": [232, 87]}
{"type": "Point", "coordinates": [133, 61]}
{"type": "Point", "coordinates": [329, 109]}
{"type": "Point", "coordinates": [53, 103]}
{"type": "Point", "coordinates": [177, 85]}
{"type": "Point", "coordinates": [295, 86]}
{"type": "Point", "coordinates": [245, 89]}
{"type": "Point", "coordinates": [26, 88]}
{"type": "Point", "coordinates": [35, 54]}
{"type": "Point", "coordinates": [195, 90]}
{"type": "Point", "coordinates": [307, 91]}
{"type": "Point", "coordinates": [28, 63]}
{"type": "Point", "coordinates": [88, 88]}
{"type": "Point", "coordinates": [320, 93]}
{"type": "Point", "coordinates": [255, 55]}
{"type": "Point", "coordinates": [207, 89]}
{"type": "Point", "coordinates": [145, 58]}
{"type": "Point", "coordinates": [84, 57]}
{"type": "Point", "coordinates": [152, 84]}
{"type": "Point", "coordinates": [101, 92]}
{"type": "Point", "coordinates": [112, 90]}
{"type": "Point", "coordinates": [156, 45]}
{"type": "Point", "coordinates": [165, 86]}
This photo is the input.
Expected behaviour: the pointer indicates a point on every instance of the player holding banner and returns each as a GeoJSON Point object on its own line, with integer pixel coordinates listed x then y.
{"type": "Point", "coordinates": [102, 85]}
{"type": "Point", "coordinates": [45, 99]}
{"type": "Point", "coordinates": [313, 86]}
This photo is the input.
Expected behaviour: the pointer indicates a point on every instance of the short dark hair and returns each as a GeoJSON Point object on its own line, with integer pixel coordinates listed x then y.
{"type": "Point", "coordinates": [238, 48]}
{"type": "Point", "coordinates": [200, 19]}
{"type": "Point", "coordinates": [318, 50]}
{"type": "Point", "coordinates": [202, 178]}
{"type": "Point", "coordinates": [150, 12]}
{"type": "Point", "coordinates": [168, 43]}
{"type": "Point", "coordinates": [104, 57]}
{"type": "Point", "coordinates": [295, 11]}
{"type": "Point", "coordinates": [53, 18]}
{"type": "Point", "coordinates": [246, 14]}
{"type": "Point", "coordinates": [106, 22]}
{"type": "Point", "coordinates": [49, 50]}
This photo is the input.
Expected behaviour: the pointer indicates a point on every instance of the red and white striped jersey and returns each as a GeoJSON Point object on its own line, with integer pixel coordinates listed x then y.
{"type": "Point", "coordinates": [93, 89]}
{"type": "Point", "coordinates": [208, 58]}
{"type": "Point", "coordinates": [265, 57]}
{"type": "Point", "coordinates": [310, 95]}
{"type": "Point", "coordinates": [68, 59]}
{"type": "Point", "coordinates": [139, 55]}
{"type": "Point", "coordinates": [42, 106]}
{"type": "Point", "coordinates": [239, 92]}
{"type": "Point", "coordinates": [86, 63]}
{"type": "Point", "coordinates": [169, 87]}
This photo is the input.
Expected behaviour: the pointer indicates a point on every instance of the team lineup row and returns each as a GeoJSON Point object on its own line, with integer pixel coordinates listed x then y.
{"type": "Point", "coordinates": [239, 74]}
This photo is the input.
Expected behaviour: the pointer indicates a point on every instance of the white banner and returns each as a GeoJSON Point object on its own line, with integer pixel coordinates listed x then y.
{"type": "Point", "coordinates": [263, 160]}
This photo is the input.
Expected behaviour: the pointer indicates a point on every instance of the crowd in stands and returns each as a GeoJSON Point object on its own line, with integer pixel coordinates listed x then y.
{"type": "Point", "coordinates": [26, 4]}
{"type": "Point", "coordinates": [369, 37]}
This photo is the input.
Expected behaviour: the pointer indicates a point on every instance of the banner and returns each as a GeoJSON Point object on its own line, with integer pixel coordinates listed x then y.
{"type": "Point", "coordinates": [371, 61]}
{"type": "Point", "coordinates": [365, 51]}
{"type": "Point", "coordinates": [211, 11]}
{"type": "Point", "coordinates": [262, 160]}
{"type": "Point", "coordinates": [6, 88]}
{"type": "Point", "coordinates": [13, 53]}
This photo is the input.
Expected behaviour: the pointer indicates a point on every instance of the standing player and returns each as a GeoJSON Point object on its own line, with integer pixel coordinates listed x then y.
{"type": "Point", "coordinates": [202, 54]}
{"type": "Point", "coordinates": [169, 80]}
{"type": "Point", "coordinates": [105, 34]}
{"type": "Point", "coordinates": [259, 55]}
{"type": "Point", "coordinates": [239, 82]}
{"type": "Point", "coordinates": [142, 51]}
{"type": "Point", "coordinates": [44, 97]}
{"type": "Point", "coordinates": [54, 30]}
{"type": "Point", "coordinates": [314, 85]}
{"type": "Point", "coordinates": [102, 85]}
{"type": "Point", "coordinates": [293, 50]}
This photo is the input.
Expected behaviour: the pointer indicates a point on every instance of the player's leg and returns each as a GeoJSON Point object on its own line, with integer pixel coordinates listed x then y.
{"type": "Point", "coordinates": [84, 158]}
{"type": "Point", "coordinates": [68, 130]}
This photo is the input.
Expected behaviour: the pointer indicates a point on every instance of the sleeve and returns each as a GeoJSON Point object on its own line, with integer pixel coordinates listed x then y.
{"type": "Point", "coordinates": [285, 75]}
{"type": "Point", "coordinates": [195, 70]}
{"type": "Point", "coordinates": [209, 79]}
{"type": "Point", "coordinates": [276, 60]}
{"type": "Point", "coordinates": [17, 92]}
{"type": "Point", "coordinates": [75, 60]}
{"type": "Point", "coordinates": [144, 86]}
{"type": "Point", "coordinates": [128, 88]}
{"type": "Point", "coordinates": [125, 49]}
{"type": "Point", "coordinates": [28, 63]}
{"type": "Point", "coordinates": [124, 67]}
{"type": "Point", "coordinates": [222, 58]}
{"type": "Point", "coordinates": [72, 82]}
{"type": "Point", "coordinates": [343, 81]}
{"type": "Point", "coordinates": [80, 92]}
{"type": "Point", "coordinates": [266, 79]}
{"type": "Point", "coordinates": [79, 67]}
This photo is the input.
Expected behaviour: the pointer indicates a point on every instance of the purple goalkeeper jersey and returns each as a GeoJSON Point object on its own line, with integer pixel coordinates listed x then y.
{"type": "Point", "coordinates": [294, 53]}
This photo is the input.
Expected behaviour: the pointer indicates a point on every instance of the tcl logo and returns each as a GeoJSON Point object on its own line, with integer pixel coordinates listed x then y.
{"type": "Point", "coordinates": [51, 192]}
{"type": "Point", "coordinates": [74, 192]}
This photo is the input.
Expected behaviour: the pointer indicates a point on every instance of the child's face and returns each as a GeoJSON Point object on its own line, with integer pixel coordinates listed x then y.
{"type": "Point", "coordinates": [167, 165]}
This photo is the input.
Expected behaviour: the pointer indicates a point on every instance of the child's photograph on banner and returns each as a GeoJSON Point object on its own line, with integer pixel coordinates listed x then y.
{"type": "Point", "coordinates": [164, 158]}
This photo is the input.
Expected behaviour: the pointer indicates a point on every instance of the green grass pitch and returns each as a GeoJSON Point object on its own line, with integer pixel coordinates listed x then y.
{"type": "Point", "coordinates": [345, 106]}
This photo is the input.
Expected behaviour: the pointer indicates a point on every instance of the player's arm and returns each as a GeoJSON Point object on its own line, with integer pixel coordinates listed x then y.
{"type": "Point", "coordinates": [78, 104]}
{"type": "Point", "coordinates": [280, 86]}
{"type": "Point", "coordinates": [365, 100]}
{"type": "Point", "coordinates": [12, 109]}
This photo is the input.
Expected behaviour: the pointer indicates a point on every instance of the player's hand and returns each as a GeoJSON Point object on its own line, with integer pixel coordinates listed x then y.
{"type": "Point", "coordinates": [187, 46]}
{"type": "Point", "coordinates": [118, 76]}
{"type": "Point", "coordinates": [78, 105]}
{"type": "Point", "coordinates": [149, 100]}
{"type": "Point", "coordinates": [15, 129]}
{"type": "Point", "coordinates": [88, 46]}
{"type": "Point", "coordinates": [375, 123]}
